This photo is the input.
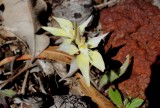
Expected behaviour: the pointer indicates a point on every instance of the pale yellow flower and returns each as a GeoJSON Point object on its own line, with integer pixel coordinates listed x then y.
{"type": "Point", "coordinates": [75, 44]}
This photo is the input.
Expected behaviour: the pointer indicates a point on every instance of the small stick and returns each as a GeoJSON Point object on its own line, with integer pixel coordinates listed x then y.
{"type": "Point", "coordinates": [26, 67]}
{"type": "Point", "coordinates": [40, 84]}
{"type": "Point", "coordinates": [12, 63]}
{"type": "Point", "coordinates": [24, 83]}
{"type": "Point", "coordinates": [94, 84]}
{"type": "Point", "coordinates": [105, 4]}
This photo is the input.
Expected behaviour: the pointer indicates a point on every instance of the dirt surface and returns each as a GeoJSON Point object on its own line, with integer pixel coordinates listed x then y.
{"type": "Point", "coordinates": [136, 25]}
{"type": "Point", "coordinates": [74, 10]}
{"type": "Point", "coordinates": [34, 66]}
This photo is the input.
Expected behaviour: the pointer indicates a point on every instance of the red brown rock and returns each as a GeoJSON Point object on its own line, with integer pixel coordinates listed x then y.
{"type": "Point", "coordinates": [136, 24]}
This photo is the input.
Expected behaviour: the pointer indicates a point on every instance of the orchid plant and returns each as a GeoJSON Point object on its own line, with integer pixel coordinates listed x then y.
{"type": "Point", "coordinates": [76, 44]}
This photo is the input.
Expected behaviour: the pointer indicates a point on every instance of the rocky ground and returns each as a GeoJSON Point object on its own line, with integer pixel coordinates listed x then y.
{"type": "Point", "coordinates": [134, 29]}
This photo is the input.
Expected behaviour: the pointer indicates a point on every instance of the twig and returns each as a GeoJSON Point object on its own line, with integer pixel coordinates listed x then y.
{"type": "Point", "coordinates": [10, 59]}
{"type": "Point", "coordinates": [25, 44]}
{"type": "Point", "coordinates": [12, 63]}
{"type": "Point", "coordinates": [24, 83]}
{"type": "Point", "coordinates": [105, 4]}
{"type": "Point", "coordinates": [40, 84]}
{"type": "Point", "coordinates": [26, 67]}
{"type": "Point", "coordinates": [94, 84]}
{"type": "Point", "coordinates": [8, 73]}
{"type": "Point", "coordinates": [32, 88]}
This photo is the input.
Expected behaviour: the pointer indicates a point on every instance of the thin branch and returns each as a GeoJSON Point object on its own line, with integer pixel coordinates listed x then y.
{"type": "Point", "coordinates": [40, 84]}
{"type": "Point", "coordinates": [26, 67]}
{"type": "Point", "coordinates": [24, 83]}
{"type": "Point", "coordinates": [105, 4]}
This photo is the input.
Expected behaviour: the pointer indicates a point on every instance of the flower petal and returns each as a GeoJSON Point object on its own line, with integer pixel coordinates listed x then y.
{"type": "Point", "coordinates": [83, 64]}
{"type": "Point", "coordinates": [73, 67]}
{"type": "Point", "coordinates": [96, 60]}
{"type": "Point", "coordinates": [67, 40]}
{"type": "Point", "coordinates": [83, 49]}
{"type": "Point", "coordinates": [56, 31]}
{"type": "Point", "coordinates": [64, 23]}
{"type": "Point", "coordinates": [93, 42]}
{"type": "Point", "coordinates": [72, 70]}
{"type": "Point", "coordinates": [84, 25]}
{"type": "Point", "coordinates": [68, 48]}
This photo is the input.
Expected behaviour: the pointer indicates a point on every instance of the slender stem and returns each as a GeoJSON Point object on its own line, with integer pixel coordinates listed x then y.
{"type": "Point", "coordinates": [24, 83]}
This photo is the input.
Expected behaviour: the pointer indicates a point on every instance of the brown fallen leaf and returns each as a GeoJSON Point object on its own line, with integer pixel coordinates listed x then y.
{"type": "Point", "coordinates": [24, 24]}
{"type": "Point", "coordinates": [42, 42]}
{"type": "Point", "coordinates": [54, 54]}
{"type": "Point", "coordinates": [21, 24]}
{"type": "Point", "coordinates": [5, 33]}
{"type": "Point", "coordinates": [50, 53]}
{"type": "Point", "coordinates": [95, 95]}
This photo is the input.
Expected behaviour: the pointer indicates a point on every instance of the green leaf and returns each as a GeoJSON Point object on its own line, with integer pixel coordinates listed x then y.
{"type": "Point", "coordinates": [127, 105]}
{"type": "Point", "coordinates": [8, 93]}
{"type": "Point", "coordinates": [56, 31]}
{"type": "Point", "coordinates": [103, 81]}
{"type": "Point", "coordinates": [68, 48]}
{"type": "Point", "coordinates": [125, 65]}
{"type": "Point", "coordinates": [64, 23]}
{"type": "Point", "coordinates": [126, 101]}
{"type": "Point", "coordinates": [84, 25]}
{"type": "Point", "coordinates": [113, 76]}
{"type": "Point", "coordinates": [83, 64]}
{"type": "Point", "coordinates": [115, 97]}
{"type": "Point", "coordinates": [96, 60]}
{"type": "Point", "coordinates": [93, 42]}
{"type": "Point", "coordinates": [135, 103]}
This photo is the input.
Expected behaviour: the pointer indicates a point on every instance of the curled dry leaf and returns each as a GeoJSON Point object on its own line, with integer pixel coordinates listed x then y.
{"type": "Point", "coordinates": [20, 24]}
{"type": "Point", "coordinates": [5, 33]}
{"type": "Point", "coordinates": [96, 96]}
{"type": "Point", "coordinates": [54, 54]}
{"type": "Point", "coordinates": [42, 42]}
{"type": "Point", "coordinates": [23, 24]}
